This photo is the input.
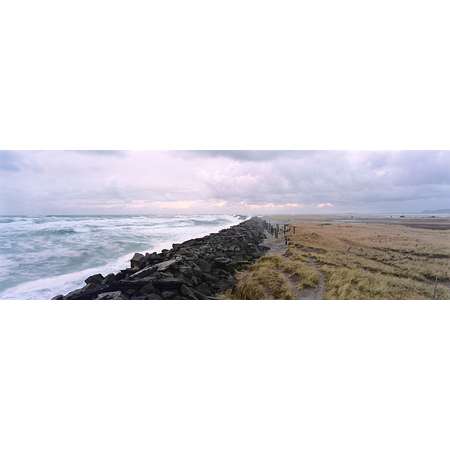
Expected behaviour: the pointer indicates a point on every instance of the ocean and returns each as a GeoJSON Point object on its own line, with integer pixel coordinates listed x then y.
{"type": "Point", "coordinates": [41, 257]}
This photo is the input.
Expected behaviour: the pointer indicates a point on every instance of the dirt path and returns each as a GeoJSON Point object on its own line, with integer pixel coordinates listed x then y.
{"type": "Point", "coordinates": [278, 247]}
{"type": "Point", "coordinates": [318, 292]}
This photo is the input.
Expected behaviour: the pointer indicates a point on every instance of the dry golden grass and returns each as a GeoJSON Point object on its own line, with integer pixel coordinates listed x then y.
{"type": "Point", "coordinates": [355, 261]}
{"type": "Point", "coordinates": [275, 277]}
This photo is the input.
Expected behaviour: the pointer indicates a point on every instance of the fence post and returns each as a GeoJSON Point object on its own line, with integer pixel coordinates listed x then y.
{"type": "Point", "coordinates": [435, 286]}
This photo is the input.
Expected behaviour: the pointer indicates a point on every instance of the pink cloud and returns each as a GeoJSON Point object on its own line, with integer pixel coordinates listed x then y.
{"type": "Point", "coordinates": [325, 205]}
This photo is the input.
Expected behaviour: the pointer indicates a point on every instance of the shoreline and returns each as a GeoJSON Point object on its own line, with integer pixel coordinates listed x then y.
{"type": "Point", "coordinates": [151, 236]}
{"type": "Point", "coordinates": [199, 268]}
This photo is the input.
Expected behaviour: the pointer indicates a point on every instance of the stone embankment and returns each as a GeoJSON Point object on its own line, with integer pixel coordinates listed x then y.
{"type": "Point", "coordinates": [196, 269]}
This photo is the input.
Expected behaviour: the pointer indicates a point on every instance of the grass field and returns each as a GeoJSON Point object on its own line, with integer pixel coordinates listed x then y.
{"type": "Point", "coordinates": [335, 260]}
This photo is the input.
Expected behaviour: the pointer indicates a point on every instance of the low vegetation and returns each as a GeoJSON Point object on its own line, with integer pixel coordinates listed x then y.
{"type": "Point", "coordinates": [353, 261]}
{"type": "Point", "coordinates": [274, 277]}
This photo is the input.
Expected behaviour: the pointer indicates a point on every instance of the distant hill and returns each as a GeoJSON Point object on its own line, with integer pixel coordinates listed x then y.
{"type": "Point", "coordinates": [436, 211]}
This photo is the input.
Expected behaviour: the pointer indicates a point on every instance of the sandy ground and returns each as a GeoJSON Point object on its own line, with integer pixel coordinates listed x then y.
{"type": "Point", "coordinates": [425, 222]}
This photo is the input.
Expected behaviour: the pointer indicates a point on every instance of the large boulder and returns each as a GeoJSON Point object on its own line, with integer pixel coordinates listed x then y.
{"type": "Point", "coordinates": [94, 279]}
{"type": "Point", "coordinates": [152, 258]}
{"type": "Point", "coordinates": [148, 288]}
{"type": "Point", "coordinates": [222, 262]}
{"type": "Point", "coordinates": [137, 261]}
{"type": "Point", "coordinates": [116, 295]}
{"type": "Point", "coordinates": [167, 283]}
{"type": "Point", "coordinates": [162, 266]}
{"type": "Point", "coordinates": [109, 279]}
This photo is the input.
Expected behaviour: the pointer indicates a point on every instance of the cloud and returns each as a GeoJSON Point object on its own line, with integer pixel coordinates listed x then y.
{"type": "Point", "coordinates": [9, 161]}
{"type": "Point", "coordinates": [64, 182]}
{"type": "Point", "coordinates": [107, 153]}
{"type": "Point", "coordinates": [271, 205]}
{"type": "Point", "coordinates": [175, 204]}
{"type": "Point", "coordinates": [244, 155]}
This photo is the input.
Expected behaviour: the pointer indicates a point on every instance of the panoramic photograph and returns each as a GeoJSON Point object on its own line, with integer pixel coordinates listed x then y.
{"type": "Point", "coordinates": [216, 225]}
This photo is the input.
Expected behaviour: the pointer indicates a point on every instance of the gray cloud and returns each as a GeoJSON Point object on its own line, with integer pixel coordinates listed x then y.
{"type": "Point", "coordinates": [245, 155]}
{"type": "Point", "coordinates": [108, 153]}
{"type": "Point", "coordinates": [222, 181]}
{"type": "Point", "coordinates": [8, 161]}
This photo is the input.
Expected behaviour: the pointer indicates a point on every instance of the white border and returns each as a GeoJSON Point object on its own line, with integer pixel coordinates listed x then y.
{"type": "Point", "coordinates": [244, 74]}
{"type": "Point", "coordinates": [231, 374]}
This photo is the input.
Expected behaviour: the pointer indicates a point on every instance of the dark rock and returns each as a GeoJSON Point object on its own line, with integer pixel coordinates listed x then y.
{"type": "Point", "coordinates": [151, 297]}
{"type": "Point", "coordinates": [193, 280]}
{"type": "Point", "coordinates": [204, 266]}
{"type": "Point", "coordinates": [167, 295]}
{"type": "Point", "coordinates": [94, 279]}
{"type": "Point", "coordinates": [160, 267]}
{"type": "Point", "coordinates": [109, 278]}
{"type": "Point", "coordinates": [186, 271]}
{"type": "Point", "coordinates": [127, 272]}
{"type": "Point", "coordinates": [147, 289]}
{"type": "Point", "coordinates": [120, 276]}
{"type": "Point", "coordinates": [199, 295]}
{"type": "Point", "coordinates": [88, 292]}
{"type": "Point", "coordinates": [116, 295]}
{"type": "Point", "coordinates": [77, 294]}
{"type": "Point", "coordinates": [145, 272]}
{"type": "Point", "coordinates": [58, 297]}
{"type": "Point", "coordinates": [209, 278]}
{"type": "Point", "coordinates": [223, 285]}
{"type": "Point", "coordinates": [196, 269]}
{"type": "Point", "coordinates": [222, 262]}
{"type": "Point", "coordinates": [167, 283]}
{"type": "Point", "coordinates": [153, 258]}
{"type": "Point", "coordinates": [131, 284]}
{"type": "Point", "coordinates": [137, 261]}
{"type": "Point", "coordinates": [239, 265]}
{"type": "Point", "coordinates": [188, 293]}
{"type": "Point", "coordinates": [204, 288]}
{"type": "Point", "coordinates": [90, 287]}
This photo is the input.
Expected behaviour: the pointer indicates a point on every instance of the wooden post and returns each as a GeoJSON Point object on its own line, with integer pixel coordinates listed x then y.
{"type": "Point", "coordinates": [435, 286]}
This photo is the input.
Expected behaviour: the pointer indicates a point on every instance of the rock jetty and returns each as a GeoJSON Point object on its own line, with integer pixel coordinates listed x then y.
{"type": "Point", "coordinates": [196, 269]}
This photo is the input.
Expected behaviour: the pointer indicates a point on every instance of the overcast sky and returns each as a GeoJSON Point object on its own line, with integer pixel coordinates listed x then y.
{"type": "Point", "coordinates": [249, 182]}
